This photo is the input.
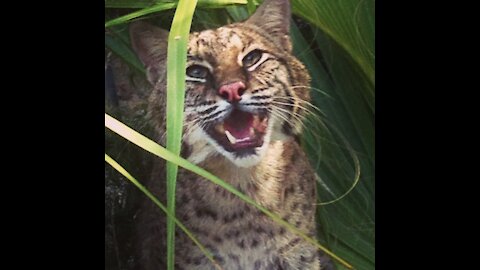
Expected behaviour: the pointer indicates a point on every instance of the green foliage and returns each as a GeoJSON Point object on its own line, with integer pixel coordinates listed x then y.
{"type": "Point", "coordinates": [343, 71]}
{"type": "Point", "coordinates": [176, 66]}
{"type": "Point", "coordinates": [350, 23]}
{"type": "Point", "coordinates": [337, 46]}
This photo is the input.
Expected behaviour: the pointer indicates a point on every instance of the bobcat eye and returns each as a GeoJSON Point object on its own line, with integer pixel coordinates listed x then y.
{"type": "Point", "coordinates": [197, 71]}
{"type": "Point", "coordinates": [251, 58]}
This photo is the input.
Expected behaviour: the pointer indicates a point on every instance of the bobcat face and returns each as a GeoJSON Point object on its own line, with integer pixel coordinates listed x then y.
{"type": "Point", "coordinates": [243, 86]}
{"type": "Point", "coordinates": [236, 85]}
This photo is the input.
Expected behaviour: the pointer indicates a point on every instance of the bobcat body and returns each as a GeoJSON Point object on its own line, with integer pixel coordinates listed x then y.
{"type": "Point", "coordinates": [245, 99]}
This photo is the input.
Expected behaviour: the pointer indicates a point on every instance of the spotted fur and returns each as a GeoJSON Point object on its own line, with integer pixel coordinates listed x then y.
{"type": "Point", "coordinates": [276, 175]}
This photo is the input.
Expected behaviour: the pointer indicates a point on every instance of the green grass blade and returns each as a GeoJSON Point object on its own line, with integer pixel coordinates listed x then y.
{"type": "Point", "coordinates": [123, 19]}
{"type": "Point", "coordinates": [176, 66]}
{"type": "Point", "coordinates": [251, 7]}
{"type": "Point", "coordinates": [148, 8]}
{"type": "Point", "coordinates": [130, 3]}
{"type": "Point", "coordinates": [219, 3]}
{"type": "Point", "coordinates": [134, 181]}
{"type": "Point", "coordinates": [152, 147]}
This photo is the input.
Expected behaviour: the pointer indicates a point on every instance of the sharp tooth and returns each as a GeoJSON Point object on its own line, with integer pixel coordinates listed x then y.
{"type": "Point", "coordinates": [252, 132]}
{"type": "Point", "coordinates": [230, 137]}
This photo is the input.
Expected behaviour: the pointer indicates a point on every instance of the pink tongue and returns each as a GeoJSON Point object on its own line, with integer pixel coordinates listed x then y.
{"type": "Point", "coordinates": [239, 123]}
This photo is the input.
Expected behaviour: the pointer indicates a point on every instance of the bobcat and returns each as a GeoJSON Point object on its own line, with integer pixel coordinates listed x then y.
{"type": "Point", "coordinates": [245, 99]}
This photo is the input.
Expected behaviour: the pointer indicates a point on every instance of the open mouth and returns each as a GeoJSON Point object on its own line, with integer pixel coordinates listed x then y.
{"type": "Point", "coordinates": [240, 131]}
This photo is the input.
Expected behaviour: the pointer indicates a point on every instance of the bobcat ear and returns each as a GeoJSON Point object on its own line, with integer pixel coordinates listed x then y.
{"type": "Point", "coordinates": [273, 16]}
{"type": "Point", "coordinates": [150, 44]}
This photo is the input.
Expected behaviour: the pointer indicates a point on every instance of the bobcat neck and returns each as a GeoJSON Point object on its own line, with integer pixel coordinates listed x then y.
{"type": "Point", "coordinates": [262, 182]}
{"type": "Point", "coordinates": [239, 235]}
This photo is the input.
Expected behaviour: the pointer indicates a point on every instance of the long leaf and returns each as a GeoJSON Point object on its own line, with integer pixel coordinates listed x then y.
{"type": "Point", "coordinates": [160, 6]}
{"type": "Point", "coordinates": [139, 13]}
{"type": "Point", "coordinates": [131, 3]}
{"type": "Point", "coordinates": [176, 66]}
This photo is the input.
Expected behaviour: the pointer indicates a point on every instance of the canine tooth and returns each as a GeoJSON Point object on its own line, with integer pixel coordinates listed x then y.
{"type": "Point", "coordinates": [230, 137]}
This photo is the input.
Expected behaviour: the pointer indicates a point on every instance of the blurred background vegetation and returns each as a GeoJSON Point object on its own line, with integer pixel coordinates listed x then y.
{"type": "Point", "coordinates": [335, 40]}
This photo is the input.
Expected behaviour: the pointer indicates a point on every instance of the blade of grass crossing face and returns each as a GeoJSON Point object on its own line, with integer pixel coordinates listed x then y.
{"type": "Point", "coordinates": [176, 62]}
{"type": "Point", "coordinates": [149, 145]}
{"type": "Point", "coordinates": [134, 181]}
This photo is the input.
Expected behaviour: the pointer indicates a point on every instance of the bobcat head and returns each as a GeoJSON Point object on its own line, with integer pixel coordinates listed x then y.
{"type": "Point", "coordinates": [244, 88]}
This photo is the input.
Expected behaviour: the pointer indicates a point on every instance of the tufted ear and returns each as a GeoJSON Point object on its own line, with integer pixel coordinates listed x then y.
{"type": "Point", "coordinates": [150, 44]}
{"type": "Point", "coordinates": [273, 16]}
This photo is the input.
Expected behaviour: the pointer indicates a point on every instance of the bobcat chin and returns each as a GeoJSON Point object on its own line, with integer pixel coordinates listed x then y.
{"type": "Point", "coordinates": [244, 103]}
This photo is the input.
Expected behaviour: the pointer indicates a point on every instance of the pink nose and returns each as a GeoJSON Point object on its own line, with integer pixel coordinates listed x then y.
{"type": "Point", "coordinates": [232, 91]}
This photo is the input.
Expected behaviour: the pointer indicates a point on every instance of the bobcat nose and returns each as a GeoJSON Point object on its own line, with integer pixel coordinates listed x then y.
{"type": "Point", "coordinates": [232, 91]}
